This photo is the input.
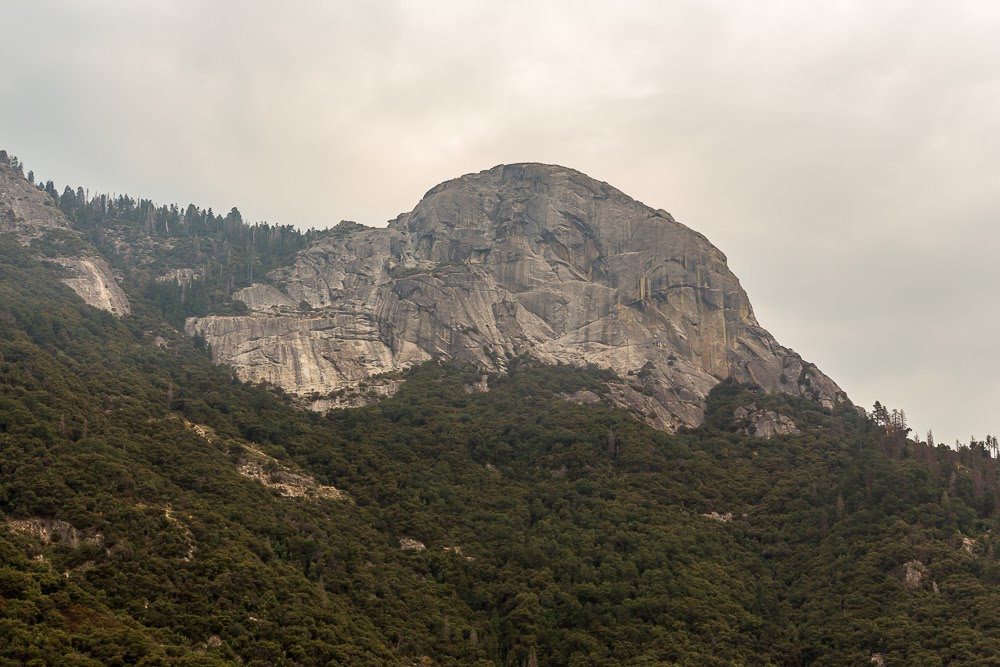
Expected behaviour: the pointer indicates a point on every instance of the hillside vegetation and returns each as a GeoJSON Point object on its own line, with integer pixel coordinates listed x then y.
{"type": "Point", "coordinates": [155, 511]}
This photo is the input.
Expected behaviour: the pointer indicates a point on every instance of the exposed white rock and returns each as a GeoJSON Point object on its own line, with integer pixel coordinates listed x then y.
{"type": "Point", "coordinates": [30, 214]}
{"type": "Point", "coordinates": [520, 259]}
{"type": "Point", "coordinates": [95, 284]}
{"type": "Point", "coordinates": [25, 210]}
{"type": "Point", "coordinates": [914, 574]}
{"type": "Point", "coordinates": [304, 354]}
{"type": "Point", "coordinates": [255, 464]}
{"type": "Point", "coordinates": [764, 423]}
{"type": "Point", "coordinates": [264, 298]}
{"type": "Point", "coordinates": [482, 387]}
{"type": "Point", "coordinates": [267, 471]}
{"type": "Point", "coordinates": [364, 392]}
{"type": "Point", "coordinates": [53, 530]}
{"type": "Point", "coordinates": [410, 544]}
{"type": "Point", "coordinates": [206, 432]}
{"type": "Point", "coordinates": [184, 277]}
{"type": "Point", "coordinates": [723, 518]}
{"type": "Point", "coordinates": [583, 397]}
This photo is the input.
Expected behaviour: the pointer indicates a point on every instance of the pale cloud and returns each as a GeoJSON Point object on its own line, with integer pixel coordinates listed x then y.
{"type": "Point", "coordinates": [843, 154]}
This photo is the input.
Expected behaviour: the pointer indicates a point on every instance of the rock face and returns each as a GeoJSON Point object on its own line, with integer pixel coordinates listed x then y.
{"type": "Point", "coordinates": [914, 574]}
{"type": "Point", "coordinates": [49, 530]}
{"type": "Point", "coordinates": [31, 215]}
{"type": "Point", "coordinates": [264, 470]}
{"type": "Point", "coordinates": [764, 423]}
{"type": "Point", "coordinates": [25, 210]}
{"type": "Point", "coordinates": [520, 259]}
{"type": "Point", "coordinates": [95, 284]}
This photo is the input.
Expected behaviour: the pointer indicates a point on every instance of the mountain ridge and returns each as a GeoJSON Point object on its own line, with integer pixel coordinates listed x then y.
{"type": "Point", "coordinates": [518, 259]}
{"type": "Point", "coordinates": [155, 511]}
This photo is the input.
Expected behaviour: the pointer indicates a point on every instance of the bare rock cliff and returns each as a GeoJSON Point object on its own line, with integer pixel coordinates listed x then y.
{"type": "Point", "coordinates": [30, 214]}
{"type": "Point", "coordinates": [520, 259]}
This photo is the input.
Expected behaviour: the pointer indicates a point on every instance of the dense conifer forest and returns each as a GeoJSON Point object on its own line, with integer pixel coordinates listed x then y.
{"type": "Point", "coordinates": [144, 521]}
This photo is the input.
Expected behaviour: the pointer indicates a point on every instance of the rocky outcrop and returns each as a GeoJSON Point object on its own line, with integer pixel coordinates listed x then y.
{"type": "Point", "coordinates": [267, 471]}
{"type": "Point", "coordinates": [264, 297]}
{"type": "Point", "coordinates": [764, 423]}
{"type": "Point", "coordinates": [520, 259]}
{"type": "Point", "coordinates": [304, 353]}
{"type": "Point", "coordinates": [183, 277]}
{"type": "Point", "coordinates": [53, 530]}
{"type": "Point", "coordinates": [26, 211]}
{"type": "Point", "coordinates": [30, 214]}
{"type": "Point", "coordinates": [915, 574]}
{"type": "Point", "coordinates": [410, 544]}
{"type": "Point", "coordinates": [93, 281]}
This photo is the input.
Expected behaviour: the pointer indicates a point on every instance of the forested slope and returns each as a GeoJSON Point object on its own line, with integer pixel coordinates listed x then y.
{"type": "Point", "coordinates": [156, 511]}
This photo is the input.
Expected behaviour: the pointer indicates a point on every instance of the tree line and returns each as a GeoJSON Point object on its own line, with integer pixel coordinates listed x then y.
{"type": "Point", "coordinates": [149, 242]}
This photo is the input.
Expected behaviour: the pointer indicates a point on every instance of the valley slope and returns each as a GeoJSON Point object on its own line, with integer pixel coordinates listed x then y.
{"type": "Point", "coordinates": [155, 510]}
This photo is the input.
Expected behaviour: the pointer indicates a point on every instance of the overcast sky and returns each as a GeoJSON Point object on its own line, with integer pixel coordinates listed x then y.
{"type": "Point", "coordinates": [845, 155]}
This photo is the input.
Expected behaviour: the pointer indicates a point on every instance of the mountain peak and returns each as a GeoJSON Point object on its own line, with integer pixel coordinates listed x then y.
{"type": "Point", "coordinates": [523, 259]}
{"type": "Point", "coordinates": [524, 177]}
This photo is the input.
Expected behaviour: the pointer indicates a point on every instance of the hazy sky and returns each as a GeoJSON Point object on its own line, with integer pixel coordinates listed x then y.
{"type": "Point", "coordinates": [845, 155]}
